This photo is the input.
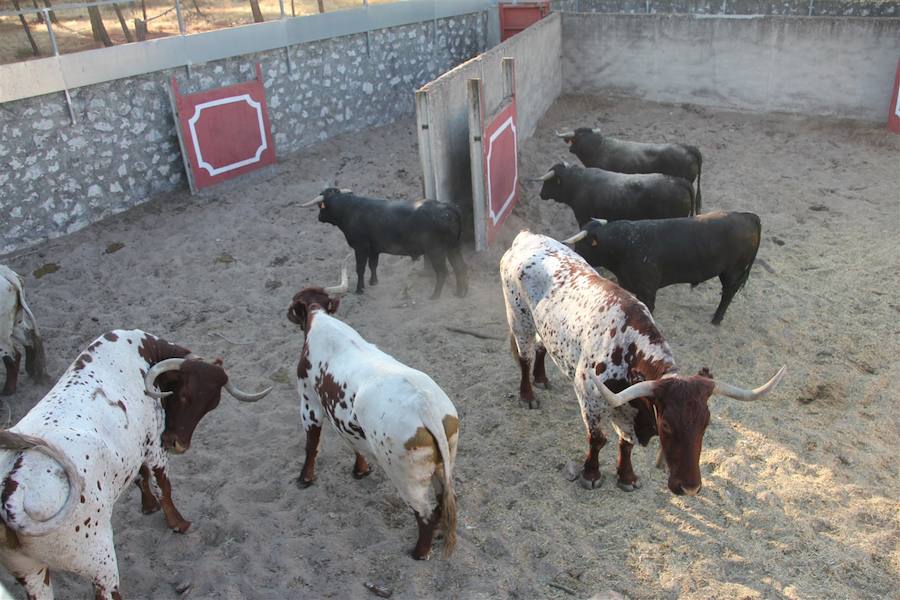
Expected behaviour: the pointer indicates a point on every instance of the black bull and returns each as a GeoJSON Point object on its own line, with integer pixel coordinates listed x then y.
{"type": "Point", "coordinates": [373, 226]}
{"type": "Point", "coordinates": [596, 193]}
{"type": "Point", "coordinates": [648, 255]}
{"type": "Point", "coordinates": [622, 156]}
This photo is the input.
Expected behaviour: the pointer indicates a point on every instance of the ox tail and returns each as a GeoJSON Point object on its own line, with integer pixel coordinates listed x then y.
{"type": "Point", "coordinates": [35, 357]}
{"type": "Point", "coordinates": [442, 430]}
{"type": "Point", "coordinates": [695, 152]}
{"type": "Point", "coordinates": [746, 273]}
{"type": "Point", "coordinates": [16, 517]}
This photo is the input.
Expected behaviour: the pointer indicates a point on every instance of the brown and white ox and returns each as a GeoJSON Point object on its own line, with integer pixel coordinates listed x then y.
{"type": "Point", "coordinates": [623, 371]}
{"type": "Point", "coordinates": [385, 411]}
{"type": "Point", "coordinates": [103, 425]}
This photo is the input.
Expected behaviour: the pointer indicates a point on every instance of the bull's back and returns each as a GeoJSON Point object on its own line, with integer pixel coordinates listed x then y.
{"type": "Point", "coordinates": [626, 156]}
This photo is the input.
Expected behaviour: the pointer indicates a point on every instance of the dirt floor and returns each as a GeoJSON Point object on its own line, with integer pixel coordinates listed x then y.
{"type": "Point", "coordinates": [800, 496]}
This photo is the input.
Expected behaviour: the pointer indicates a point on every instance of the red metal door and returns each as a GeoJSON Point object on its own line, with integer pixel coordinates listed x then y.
{"type": "Point", "coordinates": [224, 132]}
{"type": "Point", "coordinates": [501, 170]}
{"type": "Point", "coordinates": [516, 17]}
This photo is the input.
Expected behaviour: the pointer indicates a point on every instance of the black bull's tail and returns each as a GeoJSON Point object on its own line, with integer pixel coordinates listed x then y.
{"type": "Point", "coordinates": [695, 152]}
{"type": "Point", "coordinates": [746, 273]}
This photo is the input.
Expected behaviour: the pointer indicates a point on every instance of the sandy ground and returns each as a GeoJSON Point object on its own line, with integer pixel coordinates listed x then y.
{"type": "Point", "coordinates": [801, 495]}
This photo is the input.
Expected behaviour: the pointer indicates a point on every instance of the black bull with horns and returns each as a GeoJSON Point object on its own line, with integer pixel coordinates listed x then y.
{"type": "Point", "coordinates": [374, 226]}
{"type": "Point", "coordinates": [604, 152]}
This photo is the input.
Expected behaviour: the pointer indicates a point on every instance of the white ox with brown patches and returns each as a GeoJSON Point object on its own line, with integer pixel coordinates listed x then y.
{"type": "Point", "coordinates": [101, 426]}
{"type": "Point", "coordinates": [606, 341]}
{"type": "Point", "coordinates": [385, 411]}
{"type": "Point", "coordinates": [18, 331]}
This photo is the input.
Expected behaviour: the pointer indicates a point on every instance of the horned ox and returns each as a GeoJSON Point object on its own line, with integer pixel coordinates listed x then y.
{"type": "Point", "coordinates": [604, 152]}
{"type": "Point", "coordinates": [387, 412]}
{"type": "Point", "coordinates": [623, 371]}
{"type": "Point", "coordinates": [373, 226]}
{"type": "Point", "coordinates": [648, 255]}
{"type": "Point", "coordinates": [102, 426]}
{"type": "Point", "coordinates": [18, 330]}
{"type": "Point", "coordinates": [592, 193]}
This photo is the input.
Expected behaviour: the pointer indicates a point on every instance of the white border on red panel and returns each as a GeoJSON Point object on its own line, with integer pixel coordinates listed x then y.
{"type": "Point", "coordinates": [508, 123]}
{"type": "Point", "coordinates": [897, 108]}
{"type": "Point", "coordinates": [236, 165]}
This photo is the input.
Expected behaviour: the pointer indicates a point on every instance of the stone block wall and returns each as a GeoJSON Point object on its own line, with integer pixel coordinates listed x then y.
{"type": "Point", "coordinates": [56, 178]}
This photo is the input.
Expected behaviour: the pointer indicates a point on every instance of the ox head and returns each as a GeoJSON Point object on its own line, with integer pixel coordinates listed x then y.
{"type": "Point", "coordinates": [191, 387]}
{"type": "Point", "coordinates": [580, 140]}
{"type": "Point", "coordinates": [681, 408]}
{"type": "Point", "coordinates": [325, 202]}
{"type": "Point", "coordinates": [328, 298]}
{"type": "Point", "coordinates": [552, 182]}
{"type": "Point", "coordinates": [590, 232]}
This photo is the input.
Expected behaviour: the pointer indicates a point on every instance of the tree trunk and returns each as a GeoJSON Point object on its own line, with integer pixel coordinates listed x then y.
{"type": "Point", "coordinates": [97, 27]}
{"type": "Point", "coordinates": [124, 25]}
{"type": "Point", "coordinates": [53, 18]}
{"type": "Point", "coordinates": [197, 8]}
{"type": "Point", "coordinates": [321, 5]}
{"type": "Point", "coordinates": [34, 49]}
{"type": "Point", "coordinates": [257, 14]}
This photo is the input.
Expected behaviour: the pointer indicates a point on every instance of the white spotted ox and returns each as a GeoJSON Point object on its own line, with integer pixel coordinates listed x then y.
{"type": "Point", "coordinates": [18, 330]}
{"type": "Point", "coordinates": [387, 412]}
{"type": "Point", "coordinates": [103, 425]}
{"type": "Point", "coordinates": [623, 371]}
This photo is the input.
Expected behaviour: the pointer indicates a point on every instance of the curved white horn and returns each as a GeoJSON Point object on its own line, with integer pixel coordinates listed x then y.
{"type": "Point", "coordinates": [732, 391]}
{"type": "Point", "coordinates": [596, 130]}
{"type": "Point", "coordinates": [638, 390]}
{"type": "Point", "coordinates": [599, 221]}
{"type": "Point", "coordinates": [575, 238]}
{"type": "Point", "coordinates": [547, 176]}
{"type": "Point", "coordinates": [346, 191]}
{"type": "Point", "coordinates": [342, 288]}
{"type": "Point", "coordinates": [244, 396]}
{"type": "Point", "coordinates": [564, 134]}
{"type": "Point", "coordinates": [170, 364]}
{"type": "Point", "coordinates": [315, 200]}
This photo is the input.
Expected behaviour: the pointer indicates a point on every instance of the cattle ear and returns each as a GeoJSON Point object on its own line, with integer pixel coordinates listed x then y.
{"type": "Point", "coordinates": [333, 304]}
{"type": "Point", "coordinates": [705, 372]}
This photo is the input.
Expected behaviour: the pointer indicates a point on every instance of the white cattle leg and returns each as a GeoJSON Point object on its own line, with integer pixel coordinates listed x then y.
{"type": "Point", "coordinates": [523, 340]}
{"type": "Point", "coordinates": [157, 461]}
{"type": "Point", "coordinates": [593, 411]}
{"type": "Point", "coordinates": [36, 584]}
{"type": "Point", "coordinates": [412, 472]}
{"type": "Point", "coordinates": [311, 415]}
{"type": "Point", "coordinates": [96, 558]}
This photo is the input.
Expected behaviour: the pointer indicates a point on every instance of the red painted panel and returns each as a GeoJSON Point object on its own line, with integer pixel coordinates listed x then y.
{"type": "Point", "coordinates": [501, 170]}
{"type": "Point", "coordinates": [894, 115]}
{"type": "Point", "coordinates": [516, 17]}
{"type": "Point", "coordinates": [225, 131]}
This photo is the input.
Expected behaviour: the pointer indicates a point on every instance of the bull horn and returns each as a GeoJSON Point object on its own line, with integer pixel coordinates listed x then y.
{"type": "Point", "coordinates": [732, 391]}
{"type": "Point", "coordinates": [575, 238]}
{"type": "Point", "coordinates": [632, 392]}
{"type": "Point", "coordinates": [547, 176]}
{"type": "Point", "coordinates": [342, 288]}
{"type": "Point", "coordinates": [244, 396]}
{"type": "Point", "coordinates": [564, 134]}
{"type": "Point", "coordinates": [315, 200]}
{"type": "Point", "coordinates": [596, 130]}
{"type": "Point", "coordinates": [346, 191]}
{"type": "Point", "coordinates": [599, 221]}
{"type": "Point", "coordinates": [170, 364]}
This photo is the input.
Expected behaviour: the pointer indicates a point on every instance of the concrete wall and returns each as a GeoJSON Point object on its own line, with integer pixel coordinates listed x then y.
{"type": "Point", "coordinates": [827, 66]}
{"type": "Point", "coordinates": [538, 84]}
{"type": "Point", "coordinates": [56, 178]}
{"type": "Point", "coordinates": [809, 8]}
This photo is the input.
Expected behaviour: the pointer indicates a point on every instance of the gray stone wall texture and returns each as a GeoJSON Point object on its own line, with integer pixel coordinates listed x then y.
{"type": "Point", "coordinates": [56, 178]}
{"type": "Point", "coordinates": [804, 8]}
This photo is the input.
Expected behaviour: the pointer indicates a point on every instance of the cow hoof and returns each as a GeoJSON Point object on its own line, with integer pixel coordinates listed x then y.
{"type": "Point", "coordinates": [359, 292]}
{"type": "Point", "coordinates": [435, 296]}
{"type": "Point", "coordinates": [716, 321]}
{"type": "Point", "coordinates": [590, 484]}
{"type": "Point", "coordinates": [462, 293]}
{"type": "Point", "coordinates": [149, 510]}
{"type": "Point", "coordinates": [358, 475]}
{"type": "Point", "coordinates": [629, 487]}
{"type": "Point", "coordinates": [544, 384]}
{"type": "Point", "coordinates": [532, 403]}
{"type": "Point", "coordinates": [422, 556]}
{"type": "Point", "coordinates": [182, 527]}
{"type": "Point", "coordinates": [373, 282]}
{"type": "Point", "coordinates": [304, 483]}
